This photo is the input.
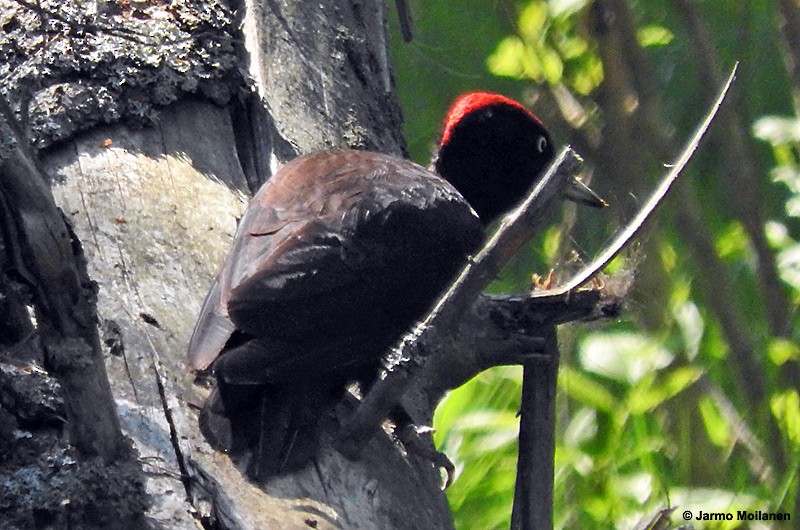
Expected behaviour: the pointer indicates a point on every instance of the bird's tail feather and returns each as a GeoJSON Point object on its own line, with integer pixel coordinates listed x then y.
{"type": "Point", "coordinates": [275, 428]}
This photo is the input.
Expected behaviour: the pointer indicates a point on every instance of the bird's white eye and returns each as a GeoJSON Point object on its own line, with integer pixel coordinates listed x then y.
{"type": "Point", "coordinates": [541, 144]}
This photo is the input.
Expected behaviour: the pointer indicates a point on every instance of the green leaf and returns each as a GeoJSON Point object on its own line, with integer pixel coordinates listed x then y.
{"type": "Point", "coordinates": [586, 390]}
{"type": "Point", "coordinates": [669, 257]}
{"type": "Point", "coordinates": [733, 243]}
{"type": "Point", "coordinates": [513, 58]}
{"type": "Point", "coordinates": [654, 35]}
{"type": "Point", "coordinates": [582, 425]}
{"type": "Point", "coordinates": [552, 243]}
{"type": "Point", "coordinates": [551, 63]}
{"type": "Point", "coordinates": [789, 264]}
{"type": "Point", "coordinates": [786, 409]}
{"type": "Point", "coordinates": [637, 486]}
{"type": "Point", "coordinates": [777, 129]}
{"type": "Point", "coordinates": [646, 396]}
{"type": "Point", "coordinates": [719, 432]}
{"type": "Point", "coordinates": [562, 8]}
{"type": "Point", "coordinates": [782, 350]}
{"type": "Point", "coordinates": [778, 235]}
{"type": "Point", "coordinates": [532, 21]}
{"type": "Point", "coordinates": [572, 47]}
{"type": "Point", "coordinates": [692, 326]}
{"type": "Point", "coordinates": [681, 378]}
{"type": "Point", "coordinates": [625, 356]}
{"type": "Point", "coordinates": [588, 76]}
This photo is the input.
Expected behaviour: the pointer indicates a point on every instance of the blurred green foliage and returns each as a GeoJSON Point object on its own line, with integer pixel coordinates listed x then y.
{"type": "Point", "coordinates": [649, 416]}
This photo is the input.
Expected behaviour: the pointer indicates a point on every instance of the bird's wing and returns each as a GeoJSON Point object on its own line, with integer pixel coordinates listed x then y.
{"type": "Point", "coordinates": [341, 244]}
{"type": "Point", "coordinates": [212, 331]}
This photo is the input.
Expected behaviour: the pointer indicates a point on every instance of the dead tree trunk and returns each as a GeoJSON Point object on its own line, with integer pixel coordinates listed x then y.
{"type": "Point", "coordinates": [153, 141]}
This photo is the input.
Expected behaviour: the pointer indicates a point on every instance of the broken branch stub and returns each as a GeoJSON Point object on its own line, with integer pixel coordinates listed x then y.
{"type": "Point", "coordinates": [46, 255]}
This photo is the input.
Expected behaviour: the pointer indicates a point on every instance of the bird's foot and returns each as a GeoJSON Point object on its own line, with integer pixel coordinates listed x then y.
{"type": "Point", "coordinates": [543, 284]}
{"type": "Point", "coordinates": [411, 436]}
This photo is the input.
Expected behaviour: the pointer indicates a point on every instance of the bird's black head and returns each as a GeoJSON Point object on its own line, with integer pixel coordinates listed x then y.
{"type": "Point", "coordinates": [492, 150]}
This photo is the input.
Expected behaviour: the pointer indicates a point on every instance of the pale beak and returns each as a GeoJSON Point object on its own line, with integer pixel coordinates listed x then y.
{"type": "Point", "coordinates": [580, 193]}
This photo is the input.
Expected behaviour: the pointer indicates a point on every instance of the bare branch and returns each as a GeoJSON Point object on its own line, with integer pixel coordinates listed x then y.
{"type": "Point", "coordinates": [516, 229]}
{"type": "Point", "coordinates": [406, 20]}
{"type": "Point", "coordinates": [533, 494]}
{"type": "Point", "coordinates": [624, 236]}
{"type": "Point", "coordinates": [505, 330]}
{"type": "Point", "coordinates": [790, 31]}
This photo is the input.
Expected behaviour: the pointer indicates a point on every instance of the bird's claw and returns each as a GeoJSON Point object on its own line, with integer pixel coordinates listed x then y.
{"type": "Point", "coordinates": [543, 284]}
{"type": "Point", "coordinates": [411, 437]}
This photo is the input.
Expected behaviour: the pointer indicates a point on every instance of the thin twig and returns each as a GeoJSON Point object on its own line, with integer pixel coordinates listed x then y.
{"type": "Point", "coordinates": [406, 21]}
{"type": "Point", "coordinates": [624, 236]}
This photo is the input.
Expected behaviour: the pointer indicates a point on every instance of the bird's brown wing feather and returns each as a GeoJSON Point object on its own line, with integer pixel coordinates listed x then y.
{"type": "Point", "coordinates": [211, 332]}
{"type": "Point", "coordinates": [337, 244]}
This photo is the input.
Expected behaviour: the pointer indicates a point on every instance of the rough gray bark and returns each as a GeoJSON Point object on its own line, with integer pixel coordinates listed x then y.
{"type": "Point", "coordinates": [44, 269]}
{"type": "Point", "coordinates": [154, 226]}
{"type": "Point", "coordinates": [151, 178]}
{"type": "Point", "coordinates": [323, 76]}
{"type": "Point", "coordinates": [40, 251]}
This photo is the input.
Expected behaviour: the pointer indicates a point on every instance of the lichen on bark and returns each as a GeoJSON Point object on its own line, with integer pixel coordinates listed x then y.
{"type": "Point", "coordinates": [68, 66]}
